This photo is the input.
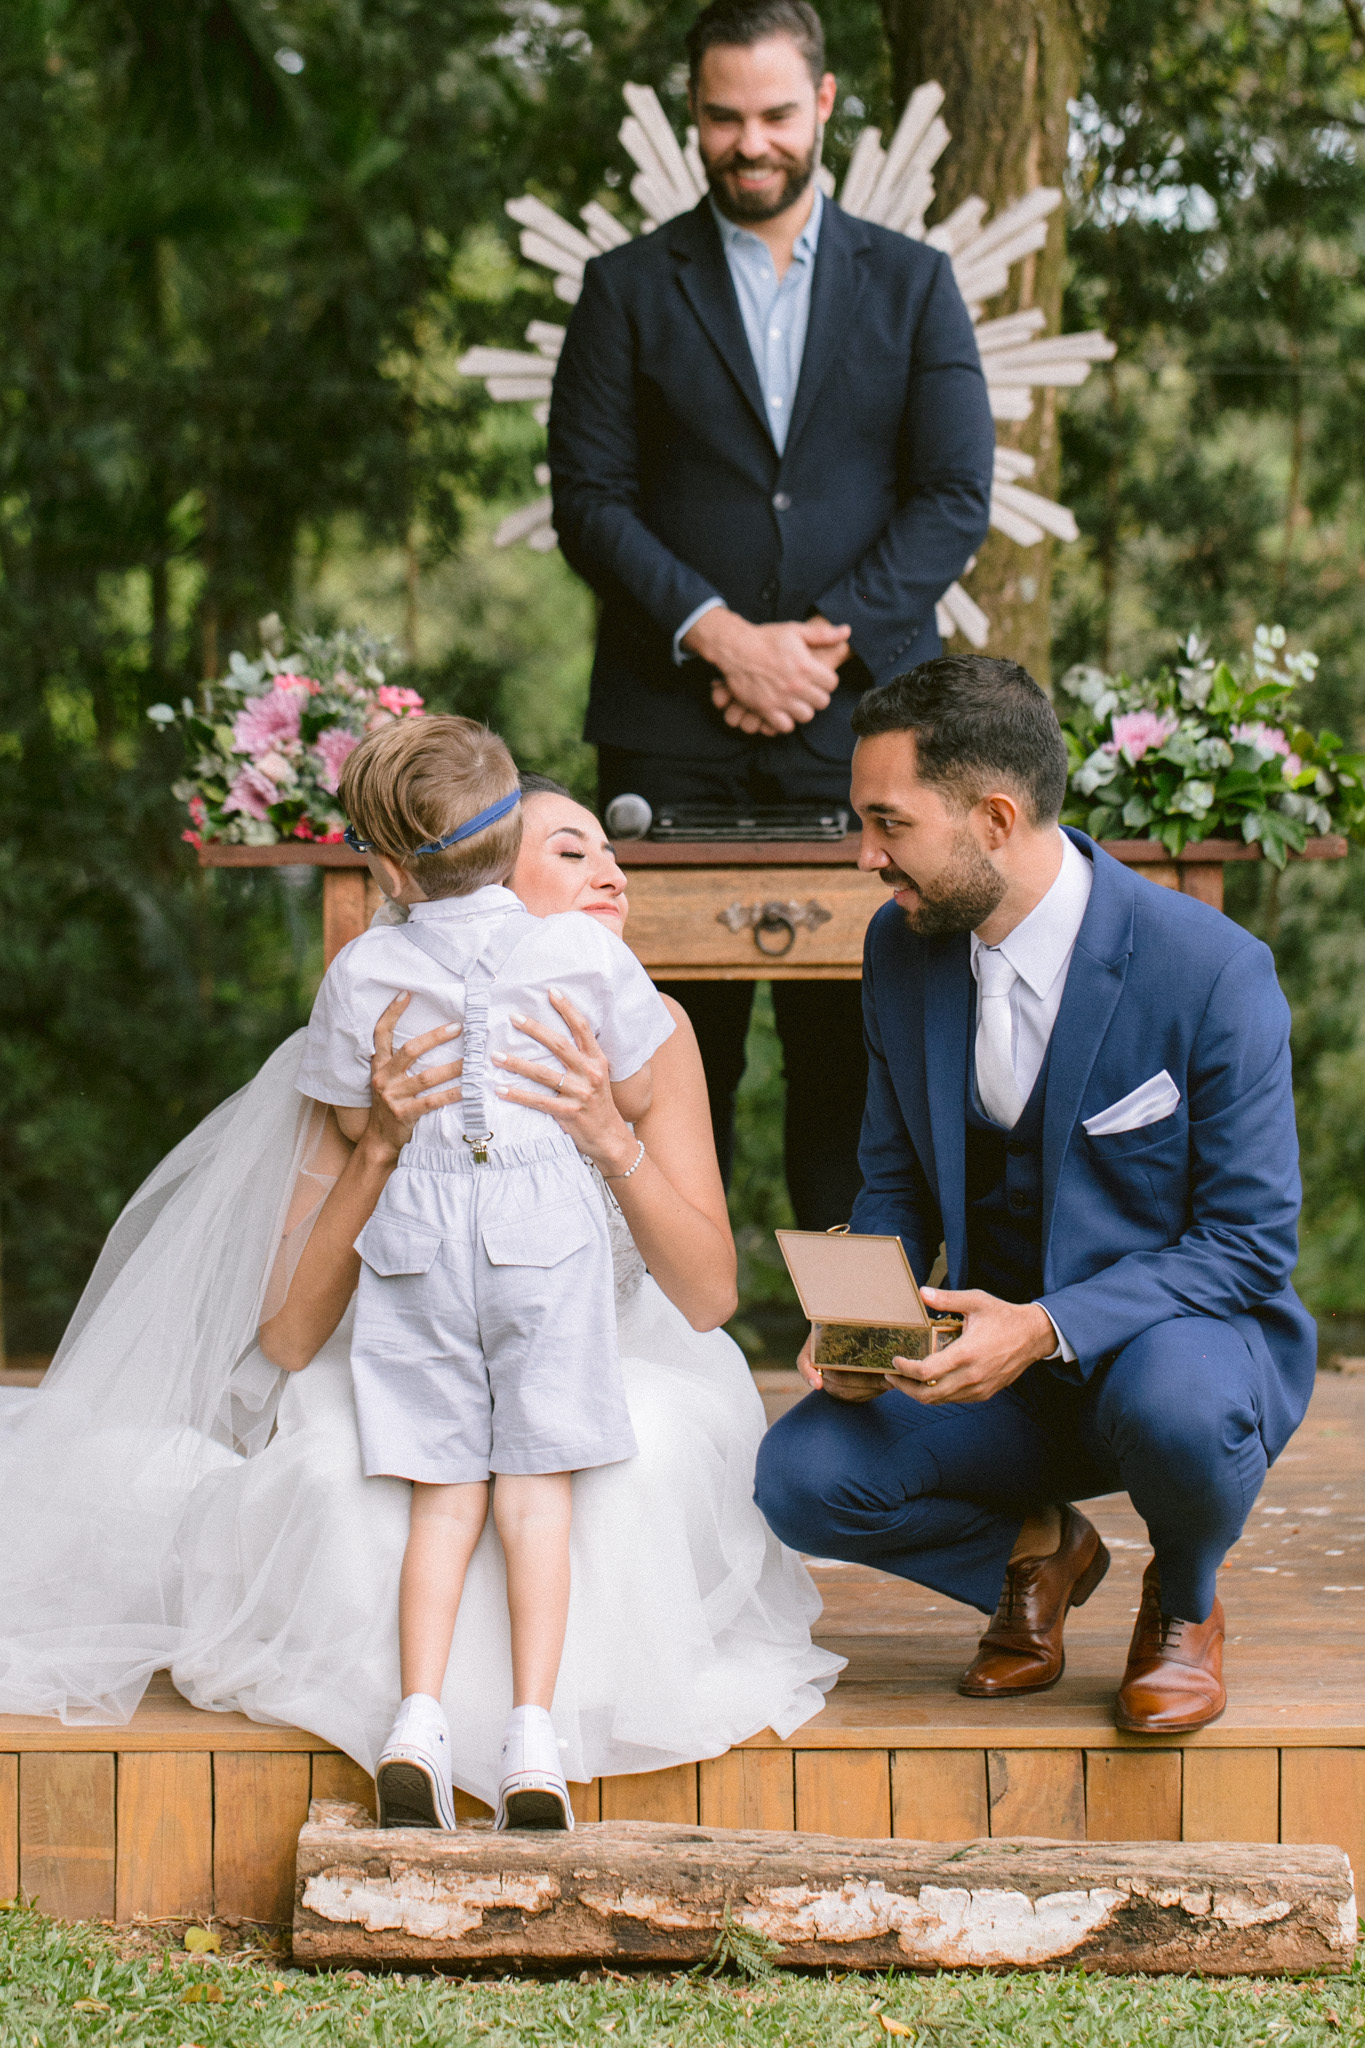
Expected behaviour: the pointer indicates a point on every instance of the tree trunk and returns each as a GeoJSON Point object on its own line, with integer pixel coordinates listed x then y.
{"type": "Point", "coordinates": [653, 1895]}
{"type": "Point", "coordinates": [1009, 68]}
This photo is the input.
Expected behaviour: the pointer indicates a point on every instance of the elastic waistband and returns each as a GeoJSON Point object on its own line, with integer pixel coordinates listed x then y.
{"type": "Point", "coordinates": [460, 1159]}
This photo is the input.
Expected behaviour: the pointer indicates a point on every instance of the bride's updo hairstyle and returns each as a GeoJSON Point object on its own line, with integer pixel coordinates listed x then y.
{"type": "Point", "coordinates": [420, 778]}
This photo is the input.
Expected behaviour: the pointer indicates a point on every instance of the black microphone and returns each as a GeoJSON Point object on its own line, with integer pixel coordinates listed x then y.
{"type": "Point", "coordinates": [628, 817]}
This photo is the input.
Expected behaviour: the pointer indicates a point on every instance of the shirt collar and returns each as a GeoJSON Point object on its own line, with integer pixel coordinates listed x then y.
{"type": "Point", "coordinates": [447, 909]}
{"type": "Point", "coordinates": [1041, 944]}
{"type": "Point", "coordinates": [733, 236]}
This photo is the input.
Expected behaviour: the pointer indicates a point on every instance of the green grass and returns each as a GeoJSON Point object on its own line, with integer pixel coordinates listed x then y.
{"type": "Point", "coordinates": [75, 1984]}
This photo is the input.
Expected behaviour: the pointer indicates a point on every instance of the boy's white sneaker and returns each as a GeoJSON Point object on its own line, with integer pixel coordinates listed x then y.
{"type": "Point", "coordinates": [412, 1777]}
{"type": "Point", "coordinates": [533, 1792]}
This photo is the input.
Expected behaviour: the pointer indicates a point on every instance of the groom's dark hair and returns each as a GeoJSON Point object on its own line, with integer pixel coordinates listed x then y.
{"type": "Point", "coordinates": [746, 22]}
{"type": "Point", "coordinates": [976, 719]}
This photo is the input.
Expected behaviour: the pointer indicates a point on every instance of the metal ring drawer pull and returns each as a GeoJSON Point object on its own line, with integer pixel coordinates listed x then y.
{"type": "Point", "coordinates": [774, 920]}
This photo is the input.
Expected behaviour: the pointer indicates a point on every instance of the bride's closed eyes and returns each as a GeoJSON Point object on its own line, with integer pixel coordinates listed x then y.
{"type": "Point", "coordinates": [557, 831]}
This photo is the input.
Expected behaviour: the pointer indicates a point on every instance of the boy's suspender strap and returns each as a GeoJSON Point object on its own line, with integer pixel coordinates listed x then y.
{"type": "Point", "coordinates": [478, 978]}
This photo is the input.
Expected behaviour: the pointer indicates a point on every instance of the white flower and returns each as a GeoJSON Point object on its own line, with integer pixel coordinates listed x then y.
{"type": "Point", "coordinates": [1093, 774]}
{"type": "Point", "coordinates": [1085, 681]}
{"type": "Point", "coordinates": [1193, 798]}
{"type": "Point", "coordinates": [1212, 754]}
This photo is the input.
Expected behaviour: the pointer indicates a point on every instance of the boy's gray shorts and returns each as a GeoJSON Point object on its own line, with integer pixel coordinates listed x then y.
{"type": "Point", "coordinates": [485, 1326]}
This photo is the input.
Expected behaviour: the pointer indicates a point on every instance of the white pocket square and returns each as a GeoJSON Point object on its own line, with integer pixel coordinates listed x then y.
{"type": "Point", "coordinates": [1146, 1105]}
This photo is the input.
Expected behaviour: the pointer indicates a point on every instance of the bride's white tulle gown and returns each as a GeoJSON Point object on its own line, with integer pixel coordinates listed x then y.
{"type": "Point", "coordinates": [169, 1500]}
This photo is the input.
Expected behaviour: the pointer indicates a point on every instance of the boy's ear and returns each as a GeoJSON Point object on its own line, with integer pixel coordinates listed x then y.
{"type": "Point", "coordinates": [395, 881]}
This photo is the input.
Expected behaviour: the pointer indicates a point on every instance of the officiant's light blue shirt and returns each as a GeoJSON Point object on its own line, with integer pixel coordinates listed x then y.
{"type": "Point", "coordinates": [776, 314]}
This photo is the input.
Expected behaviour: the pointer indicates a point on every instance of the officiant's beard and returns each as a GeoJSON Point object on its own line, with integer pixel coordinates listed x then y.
{"type": "Point", "coordinates": [745, 208]}
{"type": "Point", "coordinates": [959, 899]}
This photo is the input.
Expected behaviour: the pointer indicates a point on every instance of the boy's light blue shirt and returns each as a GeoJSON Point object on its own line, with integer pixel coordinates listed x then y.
{"type": "Point", "coordinates": [776, 314]}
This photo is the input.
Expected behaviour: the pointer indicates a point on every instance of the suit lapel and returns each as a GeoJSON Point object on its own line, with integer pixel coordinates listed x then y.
{"type": "Point", "coordinates": [1094, 983]}
{"type": "Point", "coordinates": [833, 302]}
{"type": "Point", "coordinates": [947, 1019]}
{"type": "Point", "coordinates": [704, 276]}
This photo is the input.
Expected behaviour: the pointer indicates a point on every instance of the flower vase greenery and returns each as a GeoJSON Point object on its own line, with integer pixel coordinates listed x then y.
{"type": "Point", "coordinates": [266, 743]}
{"type": "Point", "coordinates": [1207, 749]}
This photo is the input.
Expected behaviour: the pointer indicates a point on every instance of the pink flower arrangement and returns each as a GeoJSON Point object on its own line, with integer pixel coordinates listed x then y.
{"type": "Point", "coordinates": [1270, 739]}
{"type": "Point", "coordinates": [332, 747]}
{"type": "Point", "coordinates": [395, 699]}
{"type": "Point", "coordinates": [392, 701]}
{"type": "Point", "coordinates": [267, 744]}
{"type": "Point", "coordinates": [1135, 733]}
{"type": "Point", "coordinates": [252, 793]}
{"type": "Point", "coordinates": [269, 721]}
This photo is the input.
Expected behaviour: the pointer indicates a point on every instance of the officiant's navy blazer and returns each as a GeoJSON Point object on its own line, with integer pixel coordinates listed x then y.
{"type": "Point", "coordinates": [668, 488]}
{"type": "Point", "coordinates": [1196, 1215]}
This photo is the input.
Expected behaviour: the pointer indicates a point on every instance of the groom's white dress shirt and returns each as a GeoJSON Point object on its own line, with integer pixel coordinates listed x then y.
{"type": "Point", "coordinates": [1039, 951]}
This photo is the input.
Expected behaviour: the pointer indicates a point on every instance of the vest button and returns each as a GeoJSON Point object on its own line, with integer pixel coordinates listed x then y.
{"type": "Point", "coordinates": [1018, 1199]}
{"type": "Point", "coordinates": [781, 502]}
{"type": "Point", "coordinates": [769, 593]}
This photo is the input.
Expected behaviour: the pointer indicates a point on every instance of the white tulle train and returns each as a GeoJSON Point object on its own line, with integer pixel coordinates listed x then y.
{"type": "Point", "coordinates": [168, 1500]}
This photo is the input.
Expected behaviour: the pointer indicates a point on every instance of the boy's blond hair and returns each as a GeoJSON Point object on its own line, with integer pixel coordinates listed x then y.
{"type": "Point", "coordinates": [419, 779]}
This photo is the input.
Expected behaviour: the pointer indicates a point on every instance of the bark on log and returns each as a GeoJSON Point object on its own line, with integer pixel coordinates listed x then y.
{"type": "Point", "coordinates": [645, 1893]}
{"type": "Point", "coordinates": [1008, 71]}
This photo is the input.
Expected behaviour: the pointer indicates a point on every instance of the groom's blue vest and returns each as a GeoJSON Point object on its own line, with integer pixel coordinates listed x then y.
{"type": "Point", "coordinates": [1005, 1196]}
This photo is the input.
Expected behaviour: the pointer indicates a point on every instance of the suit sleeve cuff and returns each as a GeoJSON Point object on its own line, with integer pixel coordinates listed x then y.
{"type": "Point", "coordinates": [1061, 1350]}
{"type": "Point", "coordinates": [708, 604]}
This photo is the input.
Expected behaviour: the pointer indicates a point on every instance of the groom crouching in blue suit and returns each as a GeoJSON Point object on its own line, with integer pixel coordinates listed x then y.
{"type": "Point", "coordinates": [1080, 1085]}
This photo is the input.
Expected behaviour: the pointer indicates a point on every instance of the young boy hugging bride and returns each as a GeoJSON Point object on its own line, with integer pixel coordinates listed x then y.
{"type": "Point", "coordinates": [484, 1353]}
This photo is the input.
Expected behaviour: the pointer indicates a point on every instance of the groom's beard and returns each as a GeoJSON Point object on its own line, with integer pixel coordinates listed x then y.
{"type": "Point", "coordinates": [744, 207]}
{"type": "Point", "coordinates": [962, 897]}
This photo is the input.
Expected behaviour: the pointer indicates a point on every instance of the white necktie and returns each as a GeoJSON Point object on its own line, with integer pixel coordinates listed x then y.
{"type": "Point", "coordinates": [995, 1078]}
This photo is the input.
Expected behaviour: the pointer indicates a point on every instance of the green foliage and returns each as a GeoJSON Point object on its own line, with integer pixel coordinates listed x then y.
{"type": "Point", "coordinates": [73, 1984]}
{"type": "Point", "coordinates": [740, 1950]}
{"type": "Point", "coordinates": [245, 245]}
{"type": "Point", "coordinates": [1215, 468]}
{"type": "Point", "coordinates": [1217, 195]}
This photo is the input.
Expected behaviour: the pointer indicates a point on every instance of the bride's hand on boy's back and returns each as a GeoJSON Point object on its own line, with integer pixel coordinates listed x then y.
{"type": "Point", "coordinates": [579, 1098]}
{"type": "Point", "coordinates": [399, 1099]}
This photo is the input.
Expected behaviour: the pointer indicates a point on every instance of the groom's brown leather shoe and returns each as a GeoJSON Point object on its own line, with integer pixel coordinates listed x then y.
{"type": "Point", "coordinates": [1022, 1650]}
{"type": "Point", "coordinates": [1174, 1679]}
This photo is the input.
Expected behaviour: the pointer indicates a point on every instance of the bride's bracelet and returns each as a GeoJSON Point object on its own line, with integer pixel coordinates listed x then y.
{"type": "Point", "coordinates": [631, 1168]}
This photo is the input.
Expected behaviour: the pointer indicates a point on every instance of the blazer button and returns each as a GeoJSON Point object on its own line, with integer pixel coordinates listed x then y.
{"type": "Point", "coordinates": [769, 593]}
{"type": "Point", "coordinates": [781, 502]}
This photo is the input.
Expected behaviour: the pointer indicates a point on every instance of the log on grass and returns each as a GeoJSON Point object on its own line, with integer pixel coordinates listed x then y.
{"type": "Point", "coordinates": [653, 1894]}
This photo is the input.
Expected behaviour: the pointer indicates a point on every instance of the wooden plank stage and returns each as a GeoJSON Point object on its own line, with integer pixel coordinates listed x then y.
{"type": "Point", "coordinates": [182, 1813]}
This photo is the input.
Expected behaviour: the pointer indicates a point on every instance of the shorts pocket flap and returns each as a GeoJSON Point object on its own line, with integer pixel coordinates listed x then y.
{"type": "Point", "coordinates": [390, 1245]}
{"type": "Point", "coordinates": [542, 1239]}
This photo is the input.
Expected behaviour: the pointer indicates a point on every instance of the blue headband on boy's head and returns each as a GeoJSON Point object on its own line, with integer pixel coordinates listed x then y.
{"type": "Point", "coordinates": [466, 831]}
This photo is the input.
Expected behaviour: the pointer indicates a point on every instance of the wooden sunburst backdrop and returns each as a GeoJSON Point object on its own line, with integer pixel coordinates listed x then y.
{"type": "Point", "coordinates": [893, 186]}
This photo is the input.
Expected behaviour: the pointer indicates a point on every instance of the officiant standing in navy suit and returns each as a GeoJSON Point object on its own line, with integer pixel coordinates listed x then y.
{"type": "Point", "coordinates": [1079, 1083]}
{"type": "Point", "coordinates": [771, 451]}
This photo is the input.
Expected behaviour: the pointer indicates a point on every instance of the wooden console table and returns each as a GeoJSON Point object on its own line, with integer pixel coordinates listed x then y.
{"type": "Point", "coordinates": [740, 910]}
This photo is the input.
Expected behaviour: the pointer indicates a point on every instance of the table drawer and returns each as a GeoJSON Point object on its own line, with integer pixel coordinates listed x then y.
{"type": "Point", "coordinates": [749, 923]}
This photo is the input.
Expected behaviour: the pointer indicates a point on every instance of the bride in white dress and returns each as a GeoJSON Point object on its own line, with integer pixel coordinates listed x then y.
{"type": "Point", "coordinates": [171, 1498]}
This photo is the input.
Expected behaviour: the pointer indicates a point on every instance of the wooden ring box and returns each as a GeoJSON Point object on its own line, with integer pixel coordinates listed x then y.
{"type": "Point", "coordinates": [864, 1305]}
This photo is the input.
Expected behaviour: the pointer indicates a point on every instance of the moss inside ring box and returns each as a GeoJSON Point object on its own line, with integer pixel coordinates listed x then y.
{"type": "Point", "coordinates": [862, 1300]}
{"type": "Point", "coordinates": [871, 1347]}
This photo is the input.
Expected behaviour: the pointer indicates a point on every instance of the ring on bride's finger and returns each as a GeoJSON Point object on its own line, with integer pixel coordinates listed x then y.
{"type": "Point", "coordinates": [931, 1383]}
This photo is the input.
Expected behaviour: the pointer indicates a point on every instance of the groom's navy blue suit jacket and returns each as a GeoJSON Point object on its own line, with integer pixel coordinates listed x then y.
{"type": "Point", "coordinates": [668, 487]}
{"type": "Point", "coordinates": [1193, 1216]}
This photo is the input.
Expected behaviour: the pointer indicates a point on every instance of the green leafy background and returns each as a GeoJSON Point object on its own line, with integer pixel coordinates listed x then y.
{"type": "Point", "coordinates": [230, 308]}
